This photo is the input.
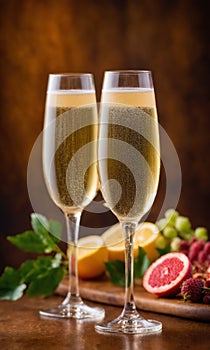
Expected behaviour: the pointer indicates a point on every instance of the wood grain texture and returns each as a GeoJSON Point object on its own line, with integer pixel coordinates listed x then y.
{"type": "Point", "coordinates": [106, 292]}
{"type": "Point", "coordinates": [22, 328]}
{"type": "Point", "coordinates": [40, 37]}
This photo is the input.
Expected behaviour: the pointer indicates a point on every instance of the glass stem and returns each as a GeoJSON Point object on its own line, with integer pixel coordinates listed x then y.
{"type": "Point", "coordinates": [72, 226]}
{"type": "Point", "coordinates": [129, 306]}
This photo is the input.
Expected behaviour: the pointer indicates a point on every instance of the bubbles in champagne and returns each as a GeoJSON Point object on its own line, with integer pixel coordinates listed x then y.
{"type": "Point", "coordinates": [130, 133]}
{"type": "Point", "coordinates": [129, 154]}
{"type": "Point", "coordinates": [70, 163]}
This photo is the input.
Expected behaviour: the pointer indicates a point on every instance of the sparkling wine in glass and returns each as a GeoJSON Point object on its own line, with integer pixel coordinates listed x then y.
{"type": "Point", "coordinates": [129, 166]}
{"type": "Point", "coordinates": [70, 169]}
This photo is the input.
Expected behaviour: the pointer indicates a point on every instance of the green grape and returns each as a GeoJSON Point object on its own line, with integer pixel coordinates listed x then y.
{"type": "Point", "coordinates": [171, 215]}
{"type": "Point", "coordinates": [162, 223]}
{"type": "Point", "coordinates": [171, 212]}
{"type": "Point", "coordinates": [161, 242]}
{"type": "Point", "coordinates": [185, 235]}
{"type": "Point", "coordinates": [191, 232]}
{"type": "Point", "coordinates": [201, 232]}
{"type": "Point", "coordinates": [169, 232]}
{"type": "Point", "coordinates": [182, 224]}
{"type": "Point", "coordinates": [175, 244]}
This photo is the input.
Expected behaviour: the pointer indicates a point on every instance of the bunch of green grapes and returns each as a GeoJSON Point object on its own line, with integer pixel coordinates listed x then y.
{"type": "Point", "coordinates": [175, 228]}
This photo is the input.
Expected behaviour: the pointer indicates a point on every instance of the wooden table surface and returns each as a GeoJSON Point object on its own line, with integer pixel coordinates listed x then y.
{"type": "Point", "coordinates": [21, 328]}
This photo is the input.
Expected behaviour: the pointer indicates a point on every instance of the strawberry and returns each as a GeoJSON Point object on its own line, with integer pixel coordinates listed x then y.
{"type": "Point", "coordinates": [206, 299]}
{"type": "Point", "coordinates": [192, 289]}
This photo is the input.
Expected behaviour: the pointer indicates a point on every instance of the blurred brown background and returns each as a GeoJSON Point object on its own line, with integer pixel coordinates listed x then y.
{"type": "Point", "coordinates": [39, 37]}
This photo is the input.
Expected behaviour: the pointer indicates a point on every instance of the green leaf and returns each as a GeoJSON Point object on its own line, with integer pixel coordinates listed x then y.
{"type": "Point", "coordinates": [39, 223]}
{"type": "Point", "coordinates": [165, 250]}
{"type": "Point", "coordinates": [55, 229]}
{"type": "Point", "coordinates": [42, 228]}
{"type": "Point", "coordinates": [26, 269]}
{"type": "Point", "coordinates": [40, 240]}
{"type": "Point", "coordinates": [42, 275]}
{"type": "Point", "coordinates": [11, 286]}
{"type": "Point", "coordinates": [10, 278]}
{"type": "Point", "coordinates": [28, 241]}
{"type": "Point", "coordinates": [47, 262]}
{"type": "Point", "coordinates": [46, 283]}
{"type": "Point", "coordinates": [141, 263]}
{"type": "Point", "coordinates": [33, 269]}
{"type": "Point", "coordinates": [116, 271]}
{"type": "Point", "coordinates": [57, 260]}
{"type": "Point", "coordinates": [116, 268]}
{"type": "Point", "coordinates": [13, 294]}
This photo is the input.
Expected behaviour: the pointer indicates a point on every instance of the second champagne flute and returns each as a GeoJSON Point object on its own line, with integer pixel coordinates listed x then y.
{"type": "Point", "coordinates": [129, 164]}
{"type": "Point", "coordinates": [70, 169]}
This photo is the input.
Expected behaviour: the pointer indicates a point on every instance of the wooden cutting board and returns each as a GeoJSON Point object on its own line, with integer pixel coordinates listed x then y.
{"type": "Point", "coordinates": [104, 291]}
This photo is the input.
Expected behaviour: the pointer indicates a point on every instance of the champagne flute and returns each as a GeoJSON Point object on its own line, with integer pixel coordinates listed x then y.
{"type": "Point", "coordinates": [70, 169]}
{"type": "Point", "coordinates": [129, 166]}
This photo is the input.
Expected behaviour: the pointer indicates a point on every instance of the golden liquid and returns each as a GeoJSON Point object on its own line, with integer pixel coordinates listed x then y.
{"type": "Point", "coordinates": [70, 149]}
{"type": "Point", "coordinates": [129, 161]}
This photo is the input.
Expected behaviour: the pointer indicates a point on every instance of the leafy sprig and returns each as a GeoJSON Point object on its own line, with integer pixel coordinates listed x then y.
{"type": "Point", "coordinates": [42, 275]}
{"type": "Point", "coordinates": [116, 268]}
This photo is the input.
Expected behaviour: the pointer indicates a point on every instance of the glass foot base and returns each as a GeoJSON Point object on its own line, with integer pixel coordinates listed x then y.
{"type": "Point", "coordinates": [137, 325]}
{"type": "Point", "coordinates": [74, 310]}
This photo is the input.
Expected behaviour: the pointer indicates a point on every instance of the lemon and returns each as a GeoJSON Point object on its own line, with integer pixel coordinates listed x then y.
{"type": "Point", "coordinates": [92, 254]}
{"type": "Point", "coordinates": [145, 237]}
{"type": "Point", "coordinates": [115, 243]}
